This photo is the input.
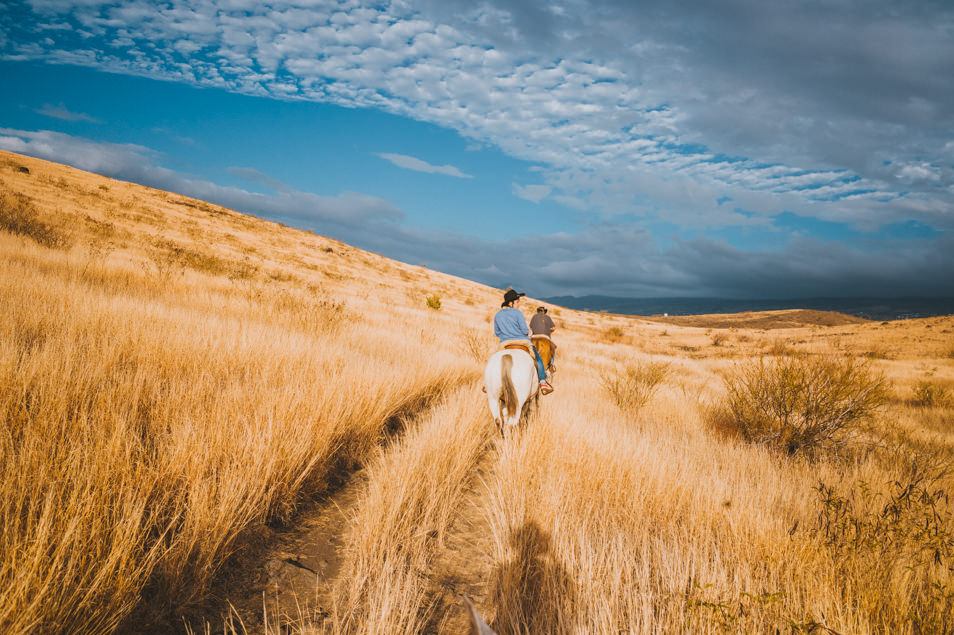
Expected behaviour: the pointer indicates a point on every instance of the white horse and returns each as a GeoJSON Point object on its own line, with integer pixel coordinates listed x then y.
{"type": "Point", "coordinates": [510, 380]}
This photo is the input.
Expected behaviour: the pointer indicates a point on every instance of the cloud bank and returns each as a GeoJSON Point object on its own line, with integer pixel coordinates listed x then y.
{"type": "Point", "coordinates": [609, 257]}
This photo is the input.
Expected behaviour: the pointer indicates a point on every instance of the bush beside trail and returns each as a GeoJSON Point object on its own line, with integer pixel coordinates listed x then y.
{"type": "Point", "coordinates": [799, 403]}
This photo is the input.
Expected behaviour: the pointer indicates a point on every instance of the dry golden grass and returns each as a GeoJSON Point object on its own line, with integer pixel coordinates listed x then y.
{"type": "Point", "coordinates": [182, 374]}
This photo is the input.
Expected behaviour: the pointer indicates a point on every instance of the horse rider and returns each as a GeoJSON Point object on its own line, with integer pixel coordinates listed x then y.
{"type": "Point", "coordinates": [511, 325]}
{"type": "Point", "coordinates": [542, 324]}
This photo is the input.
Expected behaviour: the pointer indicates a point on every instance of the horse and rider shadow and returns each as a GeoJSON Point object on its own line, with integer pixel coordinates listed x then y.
{"type": "Point", "coordinates": [531, 589]}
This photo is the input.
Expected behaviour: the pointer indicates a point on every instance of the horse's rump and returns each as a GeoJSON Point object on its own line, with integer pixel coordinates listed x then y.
{"type": "Point", "coordinates": [510, 381]}
{"type": "Point", "coordinates": [544, 346]}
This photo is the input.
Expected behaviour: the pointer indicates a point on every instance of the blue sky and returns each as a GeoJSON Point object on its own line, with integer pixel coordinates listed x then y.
{"type": "Point", "coordinates": [749, 149]}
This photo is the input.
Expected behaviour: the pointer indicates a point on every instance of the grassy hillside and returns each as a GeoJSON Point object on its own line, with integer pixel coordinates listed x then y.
{"type": "Point", "coordinates": [177, 378]}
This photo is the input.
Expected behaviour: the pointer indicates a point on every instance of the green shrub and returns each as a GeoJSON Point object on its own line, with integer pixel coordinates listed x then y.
{"type": "Point", "coordinates": [632, 386]}
{"type": "Point", "coordinates": [433, 301]}
{"type": "Point", "coordinates": [800, 402]}
{"type": "Point", "coordinates": [18, 216]}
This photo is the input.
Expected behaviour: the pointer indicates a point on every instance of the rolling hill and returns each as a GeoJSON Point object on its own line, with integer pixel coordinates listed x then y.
{"type": "Point", "coordinates": [217, 421]}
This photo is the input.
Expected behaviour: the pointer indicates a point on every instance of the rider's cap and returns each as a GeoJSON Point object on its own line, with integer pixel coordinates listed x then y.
{"type": "Point", "coordinates": [510, 296]}
{"type": "Point", "coordinates": [541, 309]}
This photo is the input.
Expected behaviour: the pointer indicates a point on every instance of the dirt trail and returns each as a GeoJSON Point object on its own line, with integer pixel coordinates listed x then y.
{"type": "Point", "coordinates": [463, 561]}
{"type": "Point", "coordinates": [289, 574]}
{"type": "Point", "coordinates": [284, 573]}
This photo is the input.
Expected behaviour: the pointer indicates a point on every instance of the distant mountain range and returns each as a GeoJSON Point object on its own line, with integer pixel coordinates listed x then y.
{"type": "Point", "coordinates": [870, 308]}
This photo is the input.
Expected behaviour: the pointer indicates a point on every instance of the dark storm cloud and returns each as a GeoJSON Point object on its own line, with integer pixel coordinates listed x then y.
{"type": "Point", "coordinates": [845, 83]}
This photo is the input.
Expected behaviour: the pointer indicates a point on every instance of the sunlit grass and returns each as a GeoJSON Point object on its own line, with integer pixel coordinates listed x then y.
{"type": "Point", "coordinates": [183, 374]}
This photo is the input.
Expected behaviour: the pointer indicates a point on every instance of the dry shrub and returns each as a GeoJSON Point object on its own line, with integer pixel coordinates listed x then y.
{"type": "Point", "coordinates": [932, 394]}
{"type": "Point", "coordinates": [719, 339]}
{"type": "Point", "coordinates": [18, 216]}
{"type": "Point", "coordinates": [433, 301]}
{"type": "Point", "coordinates": [800, 402]}
{"type": "Point", "coordinates": [614, 333]}
{"type": "Point", "coordinates": [633, 386]}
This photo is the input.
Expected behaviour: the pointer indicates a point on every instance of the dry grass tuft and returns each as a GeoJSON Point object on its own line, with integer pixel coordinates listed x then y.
{"type": "Point", "coordinates": [895, 548]}
{"type": "Point", "coordinates": [932, 394]}
{"type": "Point", "coordinates": [477, 344]}
{"type": "Point", "coordinates": [633, 386]}
{"type": "Point", "coordinates": [19, 216]}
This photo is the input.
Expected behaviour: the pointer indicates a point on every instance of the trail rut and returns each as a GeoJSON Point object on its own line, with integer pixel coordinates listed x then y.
{"type": "Point", "coordinates": [286, 579]}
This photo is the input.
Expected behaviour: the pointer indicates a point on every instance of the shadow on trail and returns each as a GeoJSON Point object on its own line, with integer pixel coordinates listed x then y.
{"type": "Point", "coordinates": [532, 589]}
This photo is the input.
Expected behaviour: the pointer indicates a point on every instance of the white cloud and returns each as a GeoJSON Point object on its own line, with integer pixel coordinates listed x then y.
{"type": "Point", "coordinates": [532, 193]}
{"type": "Point", "coordinates": [62, 112]}
{"type": "Point", "coordinates": [413, 163]}
{"type": "Point", "coordinates": [919, 172]}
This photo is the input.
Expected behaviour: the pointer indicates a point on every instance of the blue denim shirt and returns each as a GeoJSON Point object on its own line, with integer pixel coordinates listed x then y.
{"type": "Point", "coordinates": [509, 324]}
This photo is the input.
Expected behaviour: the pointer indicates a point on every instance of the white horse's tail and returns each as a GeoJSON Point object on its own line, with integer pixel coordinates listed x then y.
{"type": "Point", "coordinates": [508, 394]}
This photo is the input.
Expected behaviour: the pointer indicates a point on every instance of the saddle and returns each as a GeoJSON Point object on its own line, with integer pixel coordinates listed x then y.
{"type": "Point", "coordinates": [519, 346]}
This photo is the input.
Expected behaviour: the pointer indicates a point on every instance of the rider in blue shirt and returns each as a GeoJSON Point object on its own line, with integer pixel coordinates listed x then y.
{"type": "Point", "coordinates": [510, 324]}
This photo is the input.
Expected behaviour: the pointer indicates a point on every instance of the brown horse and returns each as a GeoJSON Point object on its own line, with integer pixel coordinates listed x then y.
{"type": "Point", "coordinates": [544, 346]}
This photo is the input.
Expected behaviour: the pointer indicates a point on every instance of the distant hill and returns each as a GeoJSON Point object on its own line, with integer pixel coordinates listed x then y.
{"type": "Point", "coordinates": [868, 308]}
{"type": "Point", "coordinates": [762, 319]}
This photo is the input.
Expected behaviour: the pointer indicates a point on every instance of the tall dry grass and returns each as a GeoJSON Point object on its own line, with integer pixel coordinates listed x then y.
{"type": "Point", "coordinates": [157, 411]}
{"type": "Point", "coordinates": [602, 528]}
{"type": "Point", "coordinates": [150, 424]}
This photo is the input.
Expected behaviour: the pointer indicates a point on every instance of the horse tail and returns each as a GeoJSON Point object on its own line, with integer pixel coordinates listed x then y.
{"type": "Point", "coordinates": [508, 394]}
